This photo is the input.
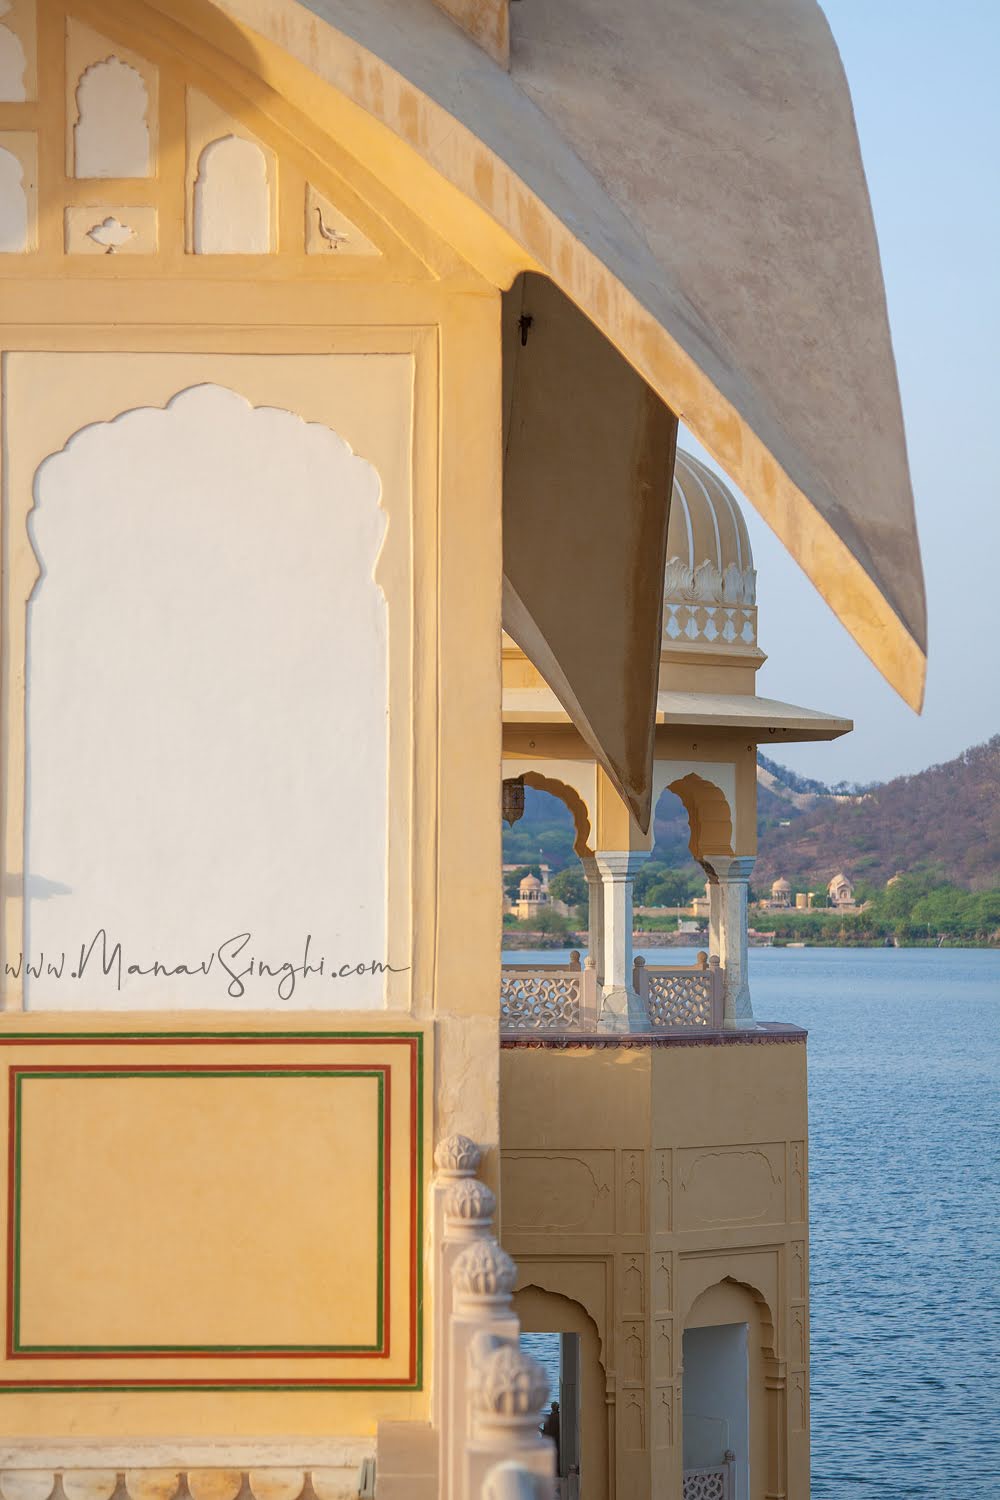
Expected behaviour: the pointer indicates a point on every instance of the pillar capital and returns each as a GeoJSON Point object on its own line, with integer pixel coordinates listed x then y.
{"type": "Point", "coordinates": [620, 864]}
{"type": "Point", "coordinates": [729, 869]}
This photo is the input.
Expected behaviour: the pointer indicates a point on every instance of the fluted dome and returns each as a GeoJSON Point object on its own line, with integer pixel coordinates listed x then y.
{"type": "Point", "coordinates": [709, 584]}
{"type": "Point", "coordinates": [781, 884]}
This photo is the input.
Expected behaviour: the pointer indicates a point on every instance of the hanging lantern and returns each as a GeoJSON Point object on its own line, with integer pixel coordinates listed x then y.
{"type": "Point", "coordinates": [513, 800]}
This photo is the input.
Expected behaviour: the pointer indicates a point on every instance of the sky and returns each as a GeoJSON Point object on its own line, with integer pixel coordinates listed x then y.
{"type": "Point", "coordinates": [924, 80]}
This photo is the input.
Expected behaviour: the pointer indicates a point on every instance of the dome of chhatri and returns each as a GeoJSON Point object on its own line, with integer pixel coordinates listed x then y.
{"type": "Point", "coordinates": [780, 885]}
{"type": "Point", "coordinates": [530, 883]}
{"type": "Point", "coordinates": [709, 584]}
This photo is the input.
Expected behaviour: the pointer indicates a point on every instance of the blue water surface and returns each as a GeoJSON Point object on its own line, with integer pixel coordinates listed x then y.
{"type": "Point", "coordinates": [904, 1120]}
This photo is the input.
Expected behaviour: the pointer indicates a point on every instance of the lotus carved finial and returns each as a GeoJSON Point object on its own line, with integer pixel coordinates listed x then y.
{"type": "Point", "coordinates": [457, 1156]}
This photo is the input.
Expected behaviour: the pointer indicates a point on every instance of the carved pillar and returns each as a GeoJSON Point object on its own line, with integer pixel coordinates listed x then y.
{"type": "Point", "coordinates": [732, 872]}
{"type": "Point", "coordinates": [595, 913]}
{"type": "Point", "coordinates": [621, 1010]}
{"type": "Point", "coordinates": [714, 893]}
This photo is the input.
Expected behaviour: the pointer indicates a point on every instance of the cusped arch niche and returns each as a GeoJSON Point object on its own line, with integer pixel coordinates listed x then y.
{"type": "Point", "coordinates": [206, 703]}
{"type": "Point", "coordinates": [572, 799]}
{"type": "Point", "coordinates": [765, 1315]}
{"type": "Point", "coordinates": [111, 135]}
{"type": "Point", "coordinates": [709, 815]}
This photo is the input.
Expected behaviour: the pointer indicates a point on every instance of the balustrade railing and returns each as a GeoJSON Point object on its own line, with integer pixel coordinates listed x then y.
{"type": "Point", "coordinates": [549, 997]}
{"type": "Point", "coordinates": [717, 1483]}
{"type": "Point", "coordinates": [566, 997]}
{"type": "Point", "coordinates": [489, 1394]}
{"type": "Point", "coordinates": [682, 996]}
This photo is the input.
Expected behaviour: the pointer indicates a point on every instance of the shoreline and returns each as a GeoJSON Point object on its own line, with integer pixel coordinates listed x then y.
{"type": "Point", "coordinates": [537, 942]}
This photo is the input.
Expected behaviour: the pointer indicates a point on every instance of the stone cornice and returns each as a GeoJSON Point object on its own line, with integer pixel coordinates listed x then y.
{"type": "Point", "coordinates": [766, 1033]}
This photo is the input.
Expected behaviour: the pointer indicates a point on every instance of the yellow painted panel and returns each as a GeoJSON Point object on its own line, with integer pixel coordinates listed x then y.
{"type": "Point", "coordinates": [196, 1212]}
{"type": "Point", "coordinates": [138, 1189]}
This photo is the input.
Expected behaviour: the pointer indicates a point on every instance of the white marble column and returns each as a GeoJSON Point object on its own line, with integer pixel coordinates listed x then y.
{"type": "Point", "coordinates": [714, 892]}
{"type": "Point", "coordinates": [621, 1009]}
{"type": "Point", "coordinates": [731, 878]}
{"type": "Point", "coordinates": [595, 913]}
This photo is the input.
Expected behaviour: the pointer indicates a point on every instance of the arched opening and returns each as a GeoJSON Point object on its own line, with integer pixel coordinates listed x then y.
{"type": "Point", "coordinates": [691, 817]}
{"type": "Point", "coordinates": [545, 888]}
{"type": "Point", "coordinates": [578, 1384]}
{"type": "Point", "coordinates": [730, 1432]}
{"type": "Point", "coordinates": [709, 815]}
{"type": "Point", "coordinates": [574, 802]}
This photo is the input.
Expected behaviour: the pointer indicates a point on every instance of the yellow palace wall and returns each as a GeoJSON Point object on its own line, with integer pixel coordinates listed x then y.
{"type": "Point", "coordinates": [652, 1188]}
{"type": "Point", "coordinates": [391, 342]}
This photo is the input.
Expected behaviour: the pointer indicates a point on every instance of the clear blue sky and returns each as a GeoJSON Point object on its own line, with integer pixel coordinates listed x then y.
{"type": "Point", "coordinates": [925, 79]}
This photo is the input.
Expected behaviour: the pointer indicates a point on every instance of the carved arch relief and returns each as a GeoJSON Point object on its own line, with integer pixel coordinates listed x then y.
{"type": "Point", "coordinates": [232, 199]}
{"type": "Point", "coordinates": [111, 135]}
{"type": "Point", "coordinates": [206, 707]}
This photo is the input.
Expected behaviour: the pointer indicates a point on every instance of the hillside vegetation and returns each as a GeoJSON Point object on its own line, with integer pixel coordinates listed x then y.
{"type": "Point", "coordinates": [944, 821]}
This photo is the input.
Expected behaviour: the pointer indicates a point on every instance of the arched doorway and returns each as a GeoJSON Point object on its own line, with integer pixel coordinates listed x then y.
{"type": "Point", "coordinates": [728, 1354]}
{"type": "Point", "coordinates": [582, 1390]}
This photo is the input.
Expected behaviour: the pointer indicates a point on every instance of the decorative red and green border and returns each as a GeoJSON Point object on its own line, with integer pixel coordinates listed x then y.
{"type": "Point", "coordinates": [412, 1041]}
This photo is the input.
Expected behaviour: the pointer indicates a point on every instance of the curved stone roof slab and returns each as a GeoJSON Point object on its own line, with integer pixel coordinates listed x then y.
{"type": "Point", "coordinates": [688, 172]}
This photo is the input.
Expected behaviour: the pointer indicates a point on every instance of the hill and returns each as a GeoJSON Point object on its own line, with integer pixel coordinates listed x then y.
{"type": "Point", "coordinates": [944, 821]}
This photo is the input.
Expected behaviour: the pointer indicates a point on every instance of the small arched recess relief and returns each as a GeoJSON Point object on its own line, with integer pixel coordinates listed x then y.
{"type": "Point", "coordinates": [13, 61]}
{"type": "Point", "coordinates": [14, 221]}
{"type": "Point", "coordinates": [206, 705]}
{"type": "Point", "coordinates": [232, 200]}
{"type": "Point", "coordinates": [111, 135]}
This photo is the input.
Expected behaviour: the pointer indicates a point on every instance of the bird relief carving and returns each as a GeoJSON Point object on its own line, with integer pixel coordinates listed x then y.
{"type": "Point", "coordinates": [330, 232]}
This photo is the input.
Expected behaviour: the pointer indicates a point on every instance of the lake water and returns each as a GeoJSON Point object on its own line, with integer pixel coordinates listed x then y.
{"type": "Point", "coordinates": [904, 1112]}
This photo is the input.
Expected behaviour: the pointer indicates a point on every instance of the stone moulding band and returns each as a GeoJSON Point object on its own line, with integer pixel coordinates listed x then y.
{"type": "Point", "coordinates": [768, 1035]}
{"type": "Point", "coordinates": [106, 1482]}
